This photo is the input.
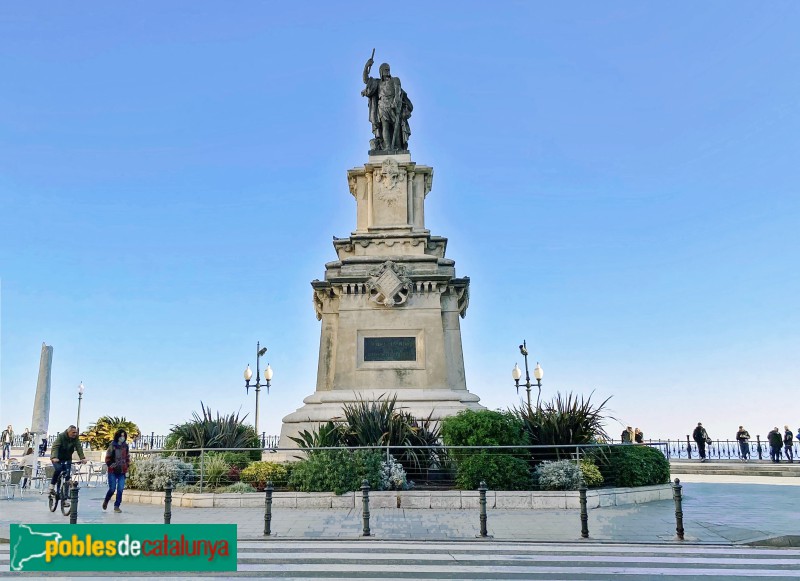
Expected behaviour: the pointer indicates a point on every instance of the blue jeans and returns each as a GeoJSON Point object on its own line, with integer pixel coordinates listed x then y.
{"type": "Point", "coordinates": [60, 467]}
{"type": "Point", "coordinates": [6, 451]}
{"type": "Point", "coordinates": [115, 482]}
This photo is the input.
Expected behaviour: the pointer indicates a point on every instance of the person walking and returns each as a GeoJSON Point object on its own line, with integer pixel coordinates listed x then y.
{"type": "Point", "coordinates": [117, 462]}
{"type": "Point", "coordinates": [788, 442]}
{"type": "Point", "coordinates": [743, 437]}
{"type": "Point", "coordinates": [775, 444]}
{"type": "Point", "coordinates": [7, 438]}
{"type": "Point", "coordinates": [638, 436]}
{"type": "Point", "coordinates": [66, 444]}
{"type": "Point", "coordinates": [701, 438]}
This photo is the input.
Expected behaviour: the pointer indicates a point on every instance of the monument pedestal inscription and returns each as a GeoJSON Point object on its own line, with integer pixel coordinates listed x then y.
{"type": "Point", "coordinates": [390, 305]}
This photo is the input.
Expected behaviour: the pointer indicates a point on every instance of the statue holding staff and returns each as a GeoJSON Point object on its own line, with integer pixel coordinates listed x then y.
{"type": "Point", "coordinates": [389, 110]}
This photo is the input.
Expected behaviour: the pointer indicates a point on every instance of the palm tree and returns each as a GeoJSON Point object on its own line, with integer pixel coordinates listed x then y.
{"type": "Point", "coordinates": [101, 433]}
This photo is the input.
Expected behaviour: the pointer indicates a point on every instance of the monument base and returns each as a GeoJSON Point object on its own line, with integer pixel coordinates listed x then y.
{"type": "Point", "coordinates": [324, 406]}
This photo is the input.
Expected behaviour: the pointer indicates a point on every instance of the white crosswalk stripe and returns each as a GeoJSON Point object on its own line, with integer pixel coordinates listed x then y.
{"type": "Point", "coordinates": [386, 560]}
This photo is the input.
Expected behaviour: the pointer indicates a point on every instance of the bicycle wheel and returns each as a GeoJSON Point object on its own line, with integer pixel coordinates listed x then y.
{"type": "Point", "coordinates": [52, 500]}
{"type": "Point", "coordinates": [65, 500]}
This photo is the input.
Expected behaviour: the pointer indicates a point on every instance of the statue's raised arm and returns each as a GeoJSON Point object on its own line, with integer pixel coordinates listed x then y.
{"type": "Point", "coordinates": [389, 110]}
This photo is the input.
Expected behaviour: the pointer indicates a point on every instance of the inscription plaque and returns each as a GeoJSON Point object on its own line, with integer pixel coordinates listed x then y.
{"type": "Point", "coordinates": [390, 348]}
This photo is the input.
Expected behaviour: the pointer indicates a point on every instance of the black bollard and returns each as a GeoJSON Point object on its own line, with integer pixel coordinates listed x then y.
{"type": "Point", "coordinates": [584, 513]}
{"type": "Point", "coordinates": [676, 494]}
{"type": "Point", "coordinates": [168, 502]}
{"type": "Point", "coordinates": [73, 507]}
{"type": "Point", "coordinates": [688, 447]}
{"type": "Point", "coordinates": [482, 488]}
{"type": "Point", "coordinates": [268, 508]}
{"type": "Point", "coordinates": [365, 493]}
{"type": "Point", "coordinates": [759, 449]}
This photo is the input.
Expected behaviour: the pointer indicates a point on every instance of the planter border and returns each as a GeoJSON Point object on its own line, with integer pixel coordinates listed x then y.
{"type": "Point", "coordinates": [412, 499]}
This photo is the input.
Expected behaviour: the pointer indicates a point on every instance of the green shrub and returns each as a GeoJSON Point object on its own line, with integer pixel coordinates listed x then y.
{"type": "Point", "coordinates": [259, 473]}
{"type": "Point", "coordinates": [206, 431]}
{"type": "Point", "coordinates": [631, 465]}
{"type": "Point", "coordinates": [338, 471]}
{"type": "Point", "coordinates": [483, 428]}
{"type": "Point", "coordinates": [559, 475]}
{"type": "Point", "coordinates": [591, 474]}
{"type": "Point", "coordinates": [239, 488]}
{"type": "Point", "coordinates": [499, 471]}
{"type": "Point", "coordinates": [152, 473]}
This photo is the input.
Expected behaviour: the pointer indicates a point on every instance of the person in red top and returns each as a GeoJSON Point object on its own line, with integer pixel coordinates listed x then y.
{"type": "Point", "coordinates": [117, 462]}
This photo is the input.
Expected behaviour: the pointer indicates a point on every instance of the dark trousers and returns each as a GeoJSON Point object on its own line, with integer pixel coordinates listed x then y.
{"type": "Point", "coordinates": [6, 451]}
{"type": "Point", "coordinates": [789, 454]}
{"type": "Point", "coordinates": [59, 468]}
{"type": "Point", "coordinates": [745, 448]}
{"type": "Point", "coordinates": [116, 483]}
{"type": "Point", "coordinates": [775, 453]}
{"type": "Point", "coordinates": [701, 449]}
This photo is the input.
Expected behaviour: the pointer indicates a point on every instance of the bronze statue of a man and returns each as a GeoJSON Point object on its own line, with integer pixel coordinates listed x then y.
{"type": "Point", "coordinates": [389, 110]}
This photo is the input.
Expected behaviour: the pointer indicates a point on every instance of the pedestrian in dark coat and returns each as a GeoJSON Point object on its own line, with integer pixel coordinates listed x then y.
{"type": "Point", "coordinates": [788, 442]}
{"type": "Point", "coordinates": [743, 437]}
{"type": "Point", "coordinates": [117, 462]}
{"type": "Point", "coordinates": [775, 444]}
{"type": "Point", "coordinates": [701, 438]}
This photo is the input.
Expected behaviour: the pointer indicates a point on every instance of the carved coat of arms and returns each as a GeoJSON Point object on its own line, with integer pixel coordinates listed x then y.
{"type": "Point", "coordinates": [388, 285]}
{"type": "Point", "coordinates": [389, 182]}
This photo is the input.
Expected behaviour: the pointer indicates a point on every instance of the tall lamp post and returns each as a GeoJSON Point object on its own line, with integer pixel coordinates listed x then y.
{"type": "Point", "coordinates": [80, 397]}
{"type": "Point", "coordinates": [538, 374]}
{"type": "Point", "coordinates": [248, 375]}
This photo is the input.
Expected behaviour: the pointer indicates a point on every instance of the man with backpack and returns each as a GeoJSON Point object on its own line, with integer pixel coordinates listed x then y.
{"type": "Point", "coordinates": [701, 438]}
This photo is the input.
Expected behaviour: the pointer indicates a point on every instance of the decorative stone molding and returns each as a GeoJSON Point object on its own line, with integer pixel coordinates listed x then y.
{"type": "Point", "coordinates": [389, 183]}
{"type": "Point", "coordinates": [388, 286]}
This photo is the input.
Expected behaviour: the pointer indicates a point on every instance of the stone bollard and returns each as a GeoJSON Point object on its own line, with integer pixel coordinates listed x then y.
{"type": "Point", "coordinates": [73, 507]}
{"type": "Point", "coordinates": [268, 489]}
{"type": "Point", "coordinates": [365, 494]}
{"type": "Point", "coordinates": [584, 513]}
{"type": "Point", "coordinates": [676, 494]}
{"type": "Point", "coordinates": [168, 502]}
{"type": "Point", "coordinates": [482, 488]}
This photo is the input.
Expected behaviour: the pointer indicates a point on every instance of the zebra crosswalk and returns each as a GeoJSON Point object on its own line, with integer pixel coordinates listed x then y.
{"type": "Point", "coordinates": [370, 559]}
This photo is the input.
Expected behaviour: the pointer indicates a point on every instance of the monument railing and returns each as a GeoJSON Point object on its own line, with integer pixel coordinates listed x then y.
{"type": "Point", "coordinates": [423, 467]}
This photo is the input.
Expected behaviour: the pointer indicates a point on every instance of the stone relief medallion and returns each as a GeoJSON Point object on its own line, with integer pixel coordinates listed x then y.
{"type": "Point", "coordinates": [389, 182]}
{"type": "Point", "coordinates": [388, 285]}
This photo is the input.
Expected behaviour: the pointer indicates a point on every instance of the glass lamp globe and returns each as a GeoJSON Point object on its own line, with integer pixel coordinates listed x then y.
{"type": "Point", "coordinates": [538, 373]}
{"type": "Point", "coordinates": [248, 373]}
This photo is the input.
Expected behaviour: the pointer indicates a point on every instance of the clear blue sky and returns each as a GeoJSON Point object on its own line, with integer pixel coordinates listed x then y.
{"type": "Point", "coordinates": [619, 180]}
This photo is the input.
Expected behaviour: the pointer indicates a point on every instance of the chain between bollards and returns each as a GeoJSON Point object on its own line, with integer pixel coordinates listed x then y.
{"type": "Point", "coordinates": [676, 494]}
{"type": "Point", "coordinates": [584, 512]}
{"type": "Point", "coordinates": [168, 502]}
{"type": "Point", "coordinates": [365, 500]}
{"type": "Point", "coordinates": [73, 499]}
{"type": "Point", "coordinates": [268, 489]}
{"type": "Point", "coordinates": [482, 488]}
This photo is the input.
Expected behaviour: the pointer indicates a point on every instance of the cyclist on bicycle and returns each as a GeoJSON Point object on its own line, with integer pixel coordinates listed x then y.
{"type": "Point", "coordinates": [61, 454]}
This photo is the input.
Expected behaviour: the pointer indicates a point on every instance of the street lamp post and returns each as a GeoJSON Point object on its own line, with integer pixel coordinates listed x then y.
{"type": "Point", "coordinates": [80, 397]}
{"type": "Point", "coordinates": [248, 375]}
{"type": "Point", "coordinates": [538, 374]}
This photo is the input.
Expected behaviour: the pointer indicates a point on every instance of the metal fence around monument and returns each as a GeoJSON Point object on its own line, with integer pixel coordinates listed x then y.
{"type": "Point", "coordinates": [425, 467]}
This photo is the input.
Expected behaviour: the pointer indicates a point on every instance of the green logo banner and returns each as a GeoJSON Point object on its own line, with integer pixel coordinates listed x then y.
{"type": "Point", "coordinates": [133, 547]}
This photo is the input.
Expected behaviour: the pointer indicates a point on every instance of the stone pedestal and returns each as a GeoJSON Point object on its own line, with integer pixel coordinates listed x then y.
{"type": "Point", "coordinates": [389, 306]}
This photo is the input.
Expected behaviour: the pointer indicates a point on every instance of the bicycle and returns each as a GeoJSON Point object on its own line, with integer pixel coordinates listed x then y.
{"type": "Point", "coordinates": [61, 492]}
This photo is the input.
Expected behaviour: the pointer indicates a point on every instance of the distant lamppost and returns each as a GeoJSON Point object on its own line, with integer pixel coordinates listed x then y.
{"type": "Point", "coordinates": [248, 375]}
{"type": "Point", "coordinates": [80, 397]}
{"type": "Point", "coordinates": [538, 374]}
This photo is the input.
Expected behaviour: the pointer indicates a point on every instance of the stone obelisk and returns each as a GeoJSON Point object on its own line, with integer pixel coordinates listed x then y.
{"type": "Point", "coordinates": [40, 420]}
{"type": "Point", "coordinates": [390, 305]}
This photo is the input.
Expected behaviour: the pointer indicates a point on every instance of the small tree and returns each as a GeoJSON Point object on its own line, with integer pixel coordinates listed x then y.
{"type": "Point", "coordinates": [101, 433]}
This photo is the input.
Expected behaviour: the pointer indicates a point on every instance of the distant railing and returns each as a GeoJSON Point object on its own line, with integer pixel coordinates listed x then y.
{"type": "Point", "coordinates": [719, 449]}
{"type": "Point", "coordinates": [143, 442]}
